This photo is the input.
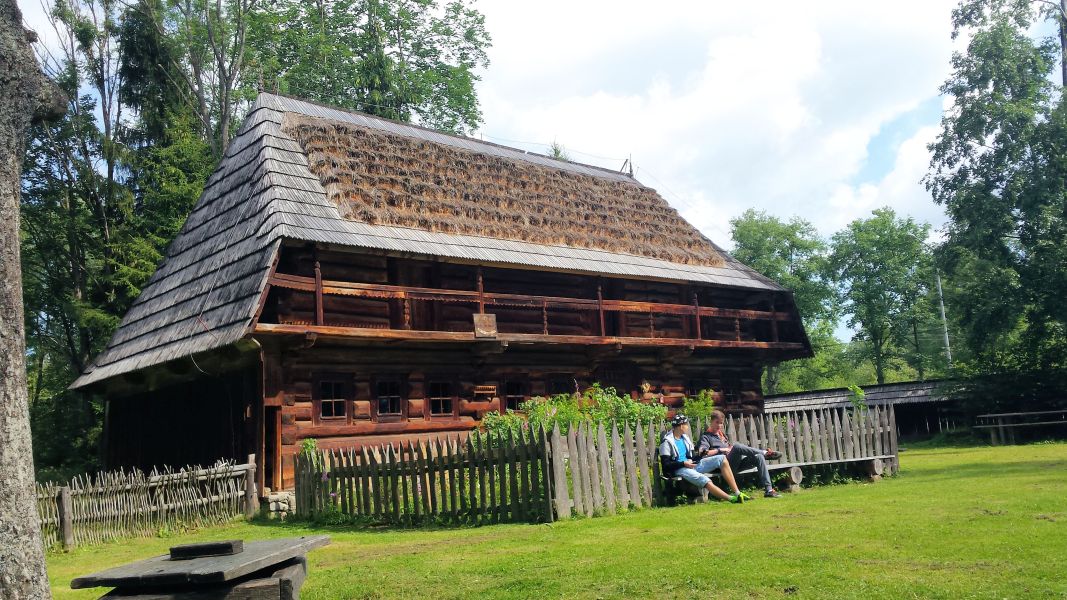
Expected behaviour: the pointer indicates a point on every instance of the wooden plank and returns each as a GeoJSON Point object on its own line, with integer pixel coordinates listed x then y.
{"type": "Point", "coordinates": [592, 464]}
{"type": "Point", "coordinates": [66, 517]}
{"type": "Point", "coordinates": [574, 463]}
{"type": "Point", "coordinates": [526, 463]}
{"type": "Point", "coordinates": [560, 489]}
{"type": "Point", "coordinates": [653, 451]}
{"type": "Point", "coordinates": [461, 474]}
{"type": "Point", "coordinates": [603, 452]}
{"type": "Point", "coordinates": [581, 458]}
{"type": "Point", "coordinates": [547, 482]}
{"type": "Point", "coordinates": [161, 570]}
{"type": "Point", "coordinates": [473, 507]}
{"type": "Point", "coordinates": [618, 463]}
{"type": "Point", "coordinates": [512, 459]}
{"type": "Point", "coordinates": [502, 480]}
{"type": "Point", "coordinates": [483, 479]}
{"type": "Point", "coordinates": [201, 549]}
{"type": "Point", "coordinates": [632, 470]}
{"type": "Point", "coordinates": [492, 508]}
{"type": "Point", "coordinates": [341, 332]}
{"type": "Point", "coordinates": [817, 437]}
{"type": "Point", "coordinates": [643, 466]}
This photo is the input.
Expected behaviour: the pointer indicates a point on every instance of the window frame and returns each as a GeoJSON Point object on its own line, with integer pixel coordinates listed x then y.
{"type": "Point", "coordinates": [523, 382]}
{"type": "Point", "coordinates": [403, 390]}
{"type": "Point", "coordinates": [453, 387]}
{"type": "Point", "coordinates": [345, 380]}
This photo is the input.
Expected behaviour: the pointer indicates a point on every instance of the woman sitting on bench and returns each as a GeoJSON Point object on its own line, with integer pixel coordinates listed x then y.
{"type": "Point", "coordinates": [677, 457]}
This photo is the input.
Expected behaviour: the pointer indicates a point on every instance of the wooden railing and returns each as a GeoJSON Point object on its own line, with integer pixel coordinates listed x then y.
{"type": "Point", "coordinates": [483, 300]}
{"type": "Point", "coordinates": [586, 470]}
{"type": "Point", "coordinates": [120, 504]}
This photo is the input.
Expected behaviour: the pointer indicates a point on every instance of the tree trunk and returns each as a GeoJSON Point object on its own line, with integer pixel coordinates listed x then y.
{"type": "Point", "coordinates": [24, 94]}
{"type": "Point", "coordinates": [1063, 42]}
{"type": "Point", "coordinates": [773, 375]}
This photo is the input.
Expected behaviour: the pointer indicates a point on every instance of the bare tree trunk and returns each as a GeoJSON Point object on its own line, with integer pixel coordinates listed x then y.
{"type": "Point", "coordinates": [1063, 42]}
{"type": "Point", "coordinates": [25, 94]}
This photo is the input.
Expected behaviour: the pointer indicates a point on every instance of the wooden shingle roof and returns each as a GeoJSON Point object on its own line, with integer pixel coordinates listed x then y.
{"type": "Point", "coordinates": [206, 291]}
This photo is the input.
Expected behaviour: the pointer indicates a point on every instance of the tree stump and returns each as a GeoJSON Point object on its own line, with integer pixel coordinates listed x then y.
{"type": "Point", "coordinates": [874, 468]}
{"type": "Point", "coordinates": [793, 477]}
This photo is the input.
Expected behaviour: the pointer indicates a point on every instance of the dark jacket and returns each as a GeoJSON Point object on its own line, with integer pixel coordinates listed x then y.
{"type": "Point", "coordinates": [711, 441]}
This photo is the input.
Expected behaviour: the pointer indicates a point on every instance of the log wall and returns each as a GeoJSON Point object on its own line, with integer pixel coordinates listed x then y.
{"type": "Point", "coordinates": [650, 376]}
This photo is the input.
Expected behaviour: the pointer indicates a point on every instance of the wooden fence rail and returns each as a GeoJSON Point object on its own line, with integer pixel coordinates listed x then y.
{"type": "Point", "coordinates": [541, 476]}
{"type": "Point", "coordinates": [119, 504]}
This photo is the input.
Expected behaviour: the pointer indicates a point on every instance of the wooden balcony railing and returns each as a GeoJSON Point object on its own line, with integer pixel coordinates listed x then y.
{"type": "Point", "coordinates": [482, 300]}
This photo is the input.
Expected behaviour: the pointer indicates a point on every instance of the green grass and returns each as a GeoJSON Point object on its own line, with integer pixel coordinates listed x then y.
{"type": "Point", "coordinates": [956, 523]}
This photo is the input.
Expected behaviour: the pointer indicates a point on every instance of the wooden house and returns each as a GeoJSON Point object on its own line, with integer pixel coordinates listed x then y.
{"type": "Point", "coordinates": [351, 279]}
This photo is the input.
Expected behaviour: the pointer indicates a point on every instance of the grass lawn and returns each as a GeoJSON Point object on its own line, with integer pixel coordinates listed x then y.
{"type": "Point", "coordinates": [956, 523]}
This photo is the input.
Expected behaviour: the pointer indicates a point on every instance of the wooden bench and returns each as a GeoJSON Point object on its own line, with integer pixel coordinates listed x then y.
{"type": "Point", "coordinates": [1002, 426]}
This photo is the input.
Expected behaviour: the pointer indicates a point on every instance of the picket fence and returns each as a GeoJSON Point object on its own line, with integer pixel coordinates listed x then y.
{"type": "Point", "coordinates": [120, 504]}
{"type": "Point", "coordinates": [479, 480]}
{"type": "Point", "coordinates": [587, 470]}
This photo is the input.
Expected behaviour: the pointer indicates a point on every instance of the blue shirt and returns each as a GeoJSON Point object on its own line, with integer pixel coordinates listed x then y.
{"type": "Point", "coordinates": [683, 451]}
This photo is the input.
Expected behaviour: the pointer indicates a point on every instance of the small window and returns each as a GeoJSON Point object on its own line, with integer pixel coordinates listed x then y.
{"type": "Point", "coordinates": [389, 397]}
{"type": "Point", "coordinates": [693, 387]}
{"type": "Point", "coordinates": [439, 393]}
{"type": "Point", "coordinates": [562, 384]}
{"type": "Point", "coordinates": [514, 394]}
{"type": "Point", "coordinates": [333, 399]}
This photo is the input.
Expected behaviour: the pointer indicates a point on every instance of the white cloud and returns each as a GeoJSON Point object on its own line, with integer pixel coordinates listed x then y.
{"type": "Point", "coordinates": [726, 107]}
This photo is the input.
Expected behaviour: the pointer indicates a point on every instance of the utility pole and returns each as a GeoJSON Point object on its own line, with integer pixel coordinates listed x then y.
{"type": "Point", "coordinates": [944, 321]}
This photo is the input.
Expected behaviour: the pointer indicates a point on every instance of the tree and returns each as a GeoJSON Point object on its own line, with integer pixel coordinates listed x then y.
{"type": "Point", "coordinates": [400, 59]}
{"type": "Point", "coordinates": [25, 94]}
{"type": "Point", "coordinates": [879, 263]}
{"type": "Point", "coordinates": [999, 167]}
{"type": "Point", "coordinates": [793, 254]}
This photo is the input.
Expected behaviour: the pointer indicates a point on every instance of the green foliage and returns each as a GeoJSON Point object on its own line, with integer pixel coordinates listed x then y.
{"type": "Point", "coordinates": [882, 267]}
{"type": "Point", "coordinates": [595, 405]}
{"type": "Point", "coordinates": [309, 446]}
{"type": "Point", "coordinates": [999, 169]}
{"type": "Point", "coordinates": [497, 424]}
{"type": "Point", "coordinates": [793, 254]}
{"type": "Point", "coordinates": [397, 59]}
{"type": "Point", "coordinates": [699, 407]}
{"type": "Point", "coordinates": [857, 397]}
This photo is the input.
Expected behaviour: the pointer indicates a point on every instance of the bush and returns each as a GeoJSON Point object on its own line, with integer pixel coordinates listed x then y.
{"type": "Point", "coordinates": [699, 407]}
{"type": "Point", "coordinates": [595, 405]}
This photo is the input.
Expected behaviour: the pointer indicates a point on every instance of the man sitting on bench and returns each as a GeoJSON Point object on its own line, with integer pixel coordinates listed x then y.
{"type": "Point", "coordinates": [678, 460]}
{"type": "Point", "coordinates": [713, 443]}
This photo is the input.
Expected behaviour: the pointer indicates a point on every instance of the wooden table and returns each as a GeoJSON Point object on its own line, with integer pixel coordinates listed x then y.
{"type": "Point", "coordinates": [261, 570]}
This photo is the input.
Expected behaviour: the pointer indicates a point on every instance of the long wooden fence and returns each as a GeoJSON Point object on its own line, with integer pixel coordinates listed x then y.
{"type": "Point", "coordinates": [120, 504]}
{"type": "Point", "coordinates": [588, 470]}
{"type": "Point", "coordinates": [479, 480]}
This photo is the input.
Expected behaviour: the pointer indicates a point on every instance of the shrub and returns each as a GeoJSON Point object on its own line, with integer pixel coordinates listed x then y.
{"type": "Point", "coordinates": [497, 424]}
{"type": "Point", "coordinates": [701, 406]}
{"type": "Point", "coordinates": [595, 405]}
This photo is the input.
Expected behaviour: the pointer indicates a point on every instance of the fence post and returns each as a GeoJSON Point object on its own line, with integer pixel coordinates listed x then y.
{"type": "Point", "coordinates": [251, 495]}
{"type": "Point", "coordinates": [66, 521]}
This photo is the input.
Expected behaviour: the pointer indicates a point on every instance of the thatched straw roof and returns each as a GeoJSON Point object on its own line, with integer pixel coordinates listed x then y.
{"type": "Point", "coordinates": [300, 171]}
{"type": "Point", "coordinates": [379, 177]}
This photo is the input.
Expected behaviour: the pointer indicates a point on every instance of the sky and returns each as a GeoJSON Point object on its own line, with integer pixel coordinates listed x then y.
{"type": "Point", "coordinates": [821, 110]}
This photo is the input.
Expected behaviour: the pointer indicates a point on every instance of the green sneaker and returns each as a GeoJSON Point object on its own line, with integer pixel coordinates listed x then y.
{"type": "Point", "coordinates": [738, 498]}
